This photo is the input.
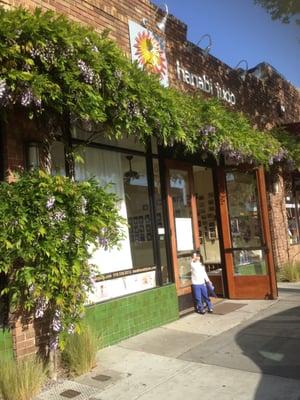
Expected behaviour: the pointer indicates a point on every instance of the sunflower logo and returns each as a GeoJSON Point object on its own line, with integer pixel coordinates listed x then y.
{"type": "Point", "coordinates": [150, 53]}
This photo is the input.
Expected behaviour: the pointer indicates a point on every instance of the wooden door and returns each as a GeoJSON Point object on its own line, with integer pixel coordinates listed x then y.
{"type": "Point", "coordinates": [183, 222]}
{"type": "Point", "coordinates": [246, 234]}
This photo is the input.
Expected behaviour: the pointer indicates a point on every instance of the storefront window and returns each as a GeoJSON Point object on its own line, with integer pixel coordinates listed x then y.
{"type": "Point", "coordinates": [245, 223]}
{"type": "Point", "coordinates": [127, 177]}
{"type": "Point", "coordinates": [138, 210]}
{"type": "Point", "coordinates": [292, 204]}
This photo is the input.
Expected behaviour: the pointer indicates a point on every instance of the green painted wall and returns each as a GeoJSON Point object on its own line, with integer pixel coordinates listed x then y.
{"type": "Point", "coordinates": [6, 345]}
{"type": "Point", "coordinates": [121, 318]}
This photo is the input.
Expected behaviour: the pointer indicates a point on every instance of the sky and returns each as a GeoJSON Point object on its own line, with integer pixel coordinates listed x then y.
{"type": "Point", "coordinates": [239, 29]}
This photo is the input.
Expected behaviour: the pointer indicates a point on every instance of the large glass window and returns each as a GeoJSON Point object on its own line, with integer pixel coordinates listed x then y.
{"type": "Point", "coordinates": [292, 204]}
{"type": "Point", "coordinates": [138, 210]}
{"type": "Point", "coordinates": [127, 177]}
{"type": "Point", "coordinates": [245, 222]}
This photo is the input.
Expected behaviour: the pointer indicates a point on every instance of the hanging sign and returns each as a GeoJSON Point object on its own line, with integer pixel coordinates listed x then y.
{"type": "Point", "coordinates": [148, 50]}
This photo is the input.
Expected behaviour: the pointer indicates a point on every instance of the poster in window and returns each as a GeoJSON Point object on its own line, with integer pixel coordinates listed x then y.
{"type": "Point", "coordinates": [184, 234]}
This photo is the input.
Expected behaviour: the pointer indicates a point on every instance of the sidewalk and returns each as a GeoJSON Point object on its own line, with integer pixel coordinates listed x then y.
{"type": "Point", "coordinates": [250, 353]}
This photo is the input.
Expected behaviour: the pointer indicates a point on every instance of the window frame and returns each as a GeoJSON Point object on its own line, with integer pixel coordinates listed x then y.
{"type": "Point", "coordinates": [296, 199]}
{"type": "Point", "coordinates": [149, 155]}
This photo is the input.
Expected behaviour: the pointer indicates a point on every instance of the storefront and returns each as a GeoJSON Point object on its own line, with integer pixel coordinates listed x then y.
{"type": "Point", "coordinates": [175, 202]}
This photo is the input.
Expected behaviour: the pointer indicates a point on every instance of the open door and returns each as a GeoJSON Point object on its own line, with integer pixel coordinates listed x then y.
{"type": "Point", "coordinates": [183, 223]}
{"type": "Point", "coordinates": [246, 234]}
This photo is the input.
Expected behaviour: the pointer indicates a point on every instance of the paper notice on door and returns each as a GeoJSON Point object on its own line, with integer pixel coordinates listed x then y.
{"type": "Point", "coordinates": [184, 234]}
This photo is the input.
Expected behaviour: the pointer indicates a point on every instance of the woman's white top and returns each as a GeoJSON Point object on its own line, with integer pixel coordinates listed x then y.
{"type": "Point", "coordinates": [199, 275]}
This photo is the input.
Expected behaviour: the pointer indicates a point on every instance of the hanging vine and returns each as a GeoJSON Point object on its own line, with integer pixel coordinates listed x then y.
{"type": "Point", "coordinates": [55, 69]}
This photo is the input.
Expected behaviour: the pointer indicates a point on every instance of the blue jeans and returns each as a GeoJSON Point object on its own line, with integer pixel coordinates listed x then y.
{"type": "Point", "coordinates": [201, 296]}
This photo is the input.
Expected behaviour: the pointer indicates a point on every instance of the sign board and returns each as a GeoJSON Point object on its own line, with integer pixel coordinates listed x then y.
{"type": "Point", "coordinates": [205, 84]}
{"type": "Point", "coordinates": [148, 50]}
{"type": "Point", "coordinates": [111, 288]}
{"type": "Point", "coordinates": [184, 234]}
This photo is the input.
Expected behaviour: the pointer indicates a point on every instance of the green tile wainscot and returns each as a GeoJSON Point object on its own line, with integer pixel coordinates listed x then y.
{"type": "Point", "coordinates": [118, 319]}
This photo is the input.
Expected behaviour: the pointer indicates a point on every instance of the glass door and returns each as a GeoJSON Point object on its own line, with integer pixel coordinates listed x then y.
{"type": "Point", "coordinates": [246, 235]}
{"type": "Point", "coordinates": [183, 222]}
{"type": "Point", "coordinates": [245, 224]}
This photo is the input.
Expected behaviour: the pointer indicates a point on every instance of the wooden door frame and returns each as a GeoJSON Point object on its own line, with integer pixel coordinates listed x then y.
{"type": "Point", "coordinates": [232, 280]}
{"type": "Point", "coordinates": [174, 164]}
{"type": "Point", "coordinates": [262, 193]}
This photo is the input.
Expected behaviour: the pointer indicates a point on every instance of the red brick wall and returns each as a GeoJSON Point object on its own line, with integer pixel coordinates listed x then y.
{"type": "Point", "coordinates": [30, 336]}
{"type": "Point", "coordinates": [283, 251]}
{"type": "Point", "coordinates": [19, 130]}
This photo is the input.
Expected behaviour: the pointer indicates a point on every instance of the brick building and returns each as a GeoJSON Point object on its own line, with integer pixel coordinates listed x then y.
{"type": "Point", "coordinates": [244, 220]}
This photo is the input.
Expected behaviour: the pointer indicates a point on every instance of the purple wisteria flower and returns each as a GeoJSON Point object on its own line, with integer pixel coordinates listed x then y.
{"type": "Point", "coordinates": [281, 155]}
{"type": "Point", "coordinates": [103, 242]}
{"type": "Point", "coordinates": [133, 109]}
{"type": "Point", "coordinates": [56, 322]}
{"type": "Point", "coordinates": [50, 203]}
{"type": "Point", "coordinates": [206, 130]}
{"type": "Point", "coordinates": [2, 88]}
{"type": "Point", "coordinates": [87, 73]}
{"type": "Point", "coordinates": [28, 98]}
{"type": "Point", "coordinates": [102, 239]}
{"type": "Point", "coordinates": [53, 343]}
{"type": "Point", "coordinates": [41, 308]}
{"type": "Point", "coordinates": [58, 216]}
{"type": "Point", "coordinates": [47, 54]}
{"type": "Point", "coordinates": [233, 155]}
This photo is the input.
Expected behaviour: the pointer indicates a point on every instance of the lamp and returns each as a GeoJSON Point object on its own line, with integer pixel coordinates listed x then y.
{"type": "Point", "coordinates": [207, 48]}
{"type": "Point", "coordinates": [130, 174]}
{"type": "Point", "coordinates": [242, 72]}
{"type": "Point", "coordinates": [145, 22]}
{"type": "Point", "coordinates": [33, 155]}
{"type": "Point", "coordinates": [162, 24]}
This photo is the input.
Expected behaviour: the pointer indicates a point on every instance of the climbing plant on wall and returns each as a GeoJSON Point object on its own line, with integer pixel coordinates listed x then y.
{"type": "Point", "coordinates": [50, 226]}
{"type": "Point", "coordinates": [60, 72]}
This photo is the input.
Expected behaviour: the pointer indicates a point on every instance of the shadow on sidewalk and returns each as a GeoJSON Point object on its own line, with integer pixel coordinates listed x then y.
{"type": "Point", "coordinates": [273, 344]}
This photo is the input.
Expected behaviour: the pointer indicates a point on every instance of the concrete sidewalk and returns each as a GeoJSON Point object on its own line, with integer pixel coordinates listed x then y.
{"type": "Point", "coordinates": [250, 353]}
